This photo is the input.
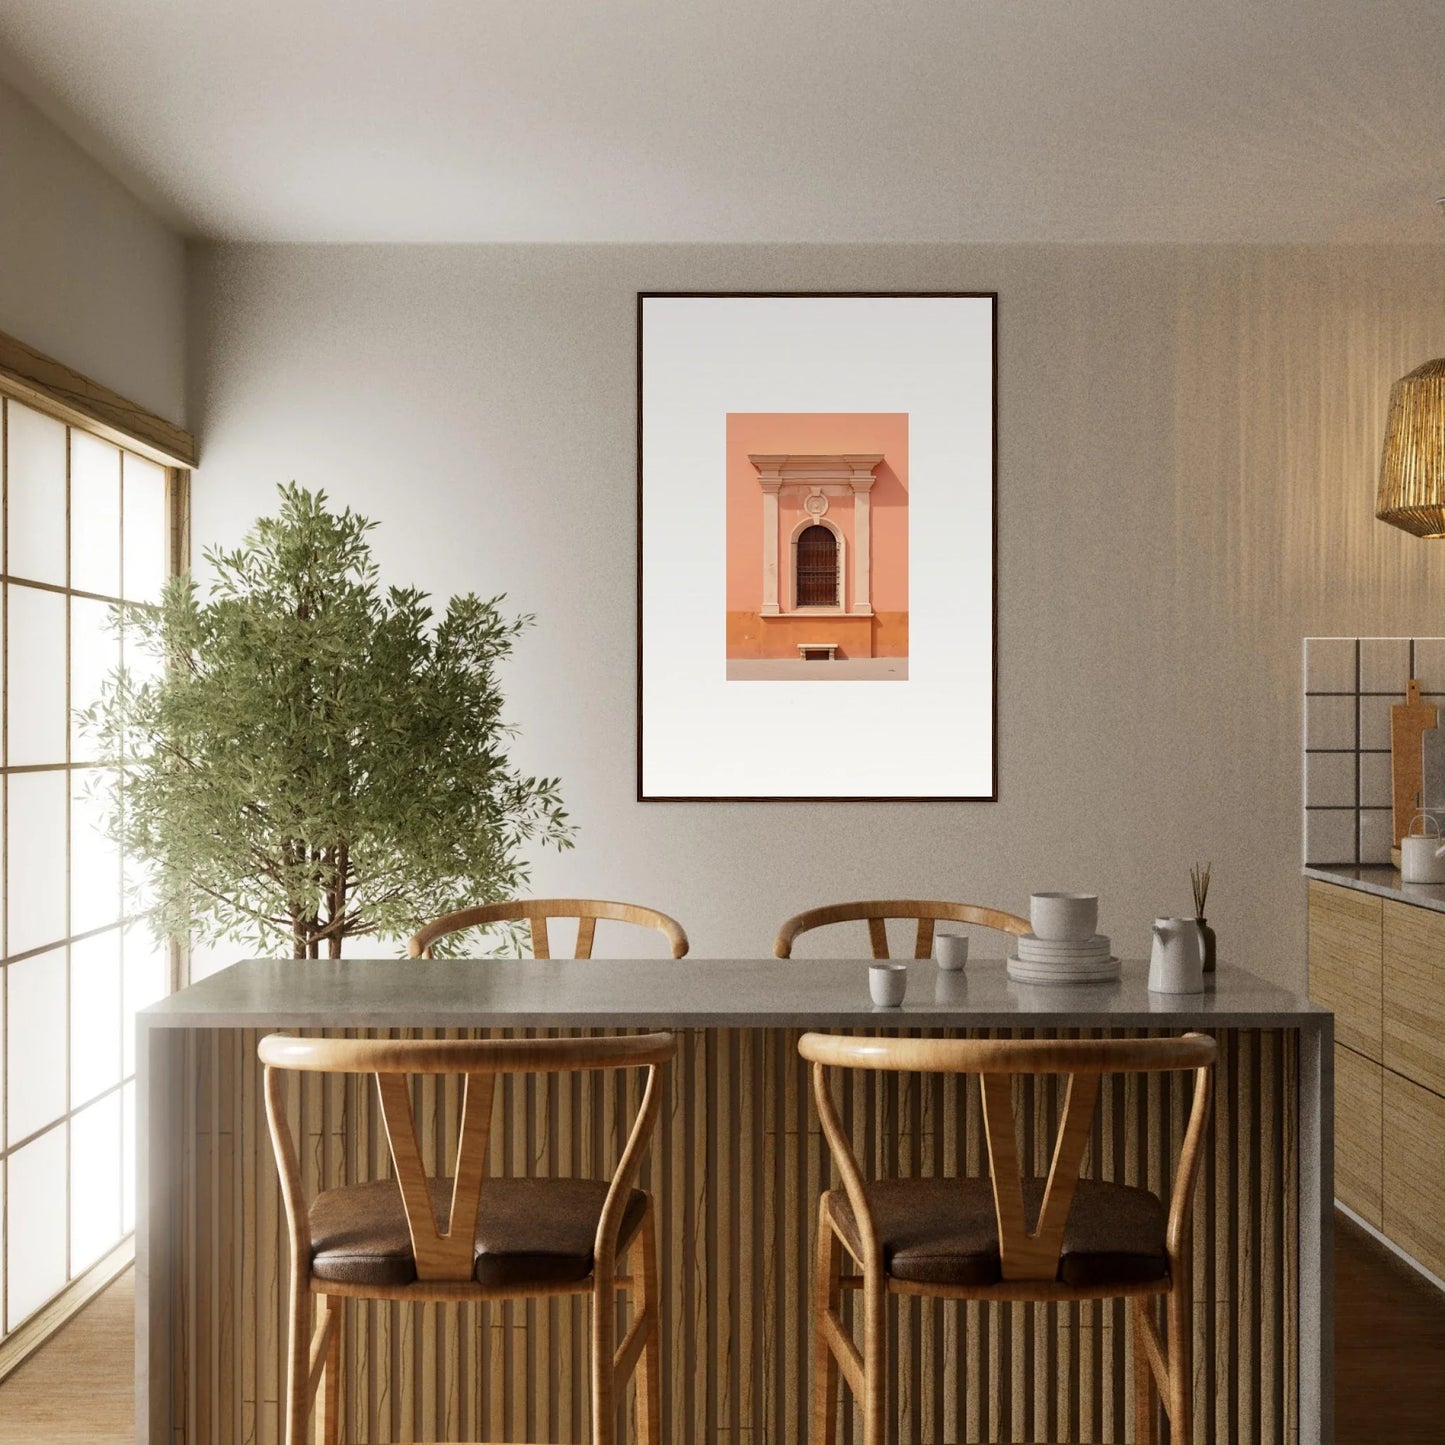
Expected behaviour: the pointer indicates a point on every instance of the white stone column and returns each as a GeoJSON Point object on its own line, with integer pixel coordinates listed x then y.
{"type": "Point", "coordinates": [862, 484]}
{"type": "Point", "coordinates": [771, 481]}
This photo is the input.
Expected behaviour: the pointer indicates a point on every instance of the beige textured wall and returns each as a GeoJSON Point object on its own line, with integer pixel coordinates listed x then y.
{"type": "Point", "coordinates": [87, 273]}
{"type": "Point", "coordinates": [1188, 439]}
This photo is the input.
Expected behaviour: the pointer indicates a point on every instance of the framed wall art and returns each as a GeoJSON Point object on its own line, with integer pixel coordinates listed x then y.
{"type": "Point", "coordinates": [816, 535]}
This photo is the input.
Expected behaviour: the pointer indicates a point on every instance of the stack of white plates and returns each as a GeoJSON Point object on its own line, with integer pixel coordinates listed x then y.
{"type": "Point", "coordinates": [1059, 960]}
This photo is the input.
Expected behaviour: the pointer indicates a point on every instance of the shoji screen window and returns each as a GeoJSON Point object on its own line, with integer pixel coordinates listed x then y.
{"type": "Point", "coordinates": [86, 524]}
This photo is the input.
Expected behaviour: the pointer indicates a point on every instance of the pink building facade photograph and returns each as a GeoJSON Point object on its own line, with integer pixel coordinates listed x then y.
{"type": "Point", "coordinates": [817, 546]}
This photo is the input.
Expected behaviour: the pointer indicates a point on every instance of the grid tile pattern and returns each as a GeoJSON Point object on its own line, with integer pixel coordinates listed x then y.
{"type": "Point", "coordinates": [1350, 685]}
{"type": "Point", "coordinates": [84, 524]}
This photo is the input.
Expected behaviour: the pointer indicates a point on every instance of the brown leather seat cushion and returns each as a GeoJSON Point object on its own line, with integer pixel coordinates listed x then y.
{"type": "Point", "coordinates": [944, 1231]}
{"type": "Point", "coordinates": [529, 1231]}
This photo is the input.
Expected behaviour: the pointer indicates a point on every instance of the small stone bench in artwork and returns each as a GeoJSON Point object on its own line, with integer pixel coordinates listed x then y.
{"type": "Point", "coordinates": [817, 651]}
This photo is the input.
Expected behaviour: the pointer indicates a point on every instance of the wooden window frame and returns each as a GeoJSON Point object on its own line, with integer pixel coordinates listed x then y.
{"type": "Point", "coordinates": [32, 379]}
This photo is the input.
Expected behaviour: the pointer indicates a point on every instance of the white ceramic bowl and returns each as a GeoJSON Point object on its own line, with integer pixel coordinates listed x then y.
{"type": "Point", "coordinates": [1064, 915]}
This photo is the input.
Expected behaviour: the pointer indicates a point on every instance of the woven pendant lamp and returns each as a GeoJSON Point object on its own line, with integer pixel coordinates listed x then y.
{"type": "Point", "coordinates": [1412, 469]}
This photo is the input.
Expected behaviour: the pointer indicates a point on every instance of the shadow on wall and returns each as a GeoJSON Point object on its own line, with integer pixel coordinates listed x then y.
{"type": "Point", "coordinates": [1277, 453]}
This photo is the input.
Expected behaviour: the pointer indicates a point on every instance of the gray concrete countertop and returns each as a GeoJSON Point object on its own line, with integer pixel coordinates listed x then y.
{"type": "Point", "coordinates": [697, 993]}
{"type": "Point", "coordinates": [1383, 881]}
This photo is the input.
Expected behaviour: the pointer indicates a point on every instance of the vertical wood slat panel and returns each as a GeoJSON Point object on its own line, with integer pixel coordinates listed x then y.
{"type": "Point", "coordinates": [736, 1168]}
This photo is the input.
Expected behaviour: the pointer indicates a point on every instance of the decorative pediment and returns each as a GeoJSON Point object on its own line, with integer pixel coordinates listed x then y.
{"type": "Point", "coordinates": [852, 470]}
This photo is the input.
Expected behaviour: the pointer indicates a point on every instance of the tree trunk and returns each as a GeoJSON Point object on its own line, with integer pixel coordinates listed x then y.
{"type": "Point", "coordinates": [336, 897]}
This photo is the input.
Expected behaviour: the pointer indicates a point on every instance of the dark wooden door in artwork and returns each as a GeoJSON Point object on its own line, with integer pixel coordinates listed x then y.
{"type": "Point", "coordinates": [817, 568]}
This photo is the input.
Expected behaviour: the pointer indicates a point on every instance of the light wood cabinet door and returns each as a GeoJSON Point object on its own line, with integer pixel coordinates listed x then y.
{"type": "Point", "coordinates": [1414, 996]}
{"type": "Point", "coordinates": [1358, 1124]}
{"type": "Point", "coordinates": [1414, 1193]}
{"type": "Point", "coordinates": [1345, 963]}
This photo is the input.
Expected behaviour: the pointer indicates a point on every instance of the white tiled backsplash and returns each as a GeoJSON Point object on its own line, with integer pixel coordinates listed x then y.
{"type": "Point", "coordinates": [1350, 685]}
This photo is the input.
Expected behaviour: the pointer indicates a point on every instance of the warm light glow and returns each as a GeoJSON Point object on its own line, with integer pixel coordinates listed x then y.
{"type": "Point", "coordinates": [1412, 469]}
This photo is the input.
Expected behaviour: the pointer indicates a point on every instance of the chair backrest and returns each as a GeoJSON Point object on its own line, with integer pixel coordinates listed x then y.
{"type": "Point", "coordinates": [444, 1252]}
{"type": "Point", "coordinates": [536, 911]}
{"type": "Point", "coordinates": [1026, 1253]}
{"type": "Point", "coordinates": [877, 911]}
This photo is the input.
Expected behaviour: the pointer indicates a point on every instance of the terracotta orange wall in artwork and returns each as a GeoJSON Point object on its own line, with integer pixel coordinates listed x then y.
{"type": "Point", "coordinates": [885, 634]}
{"type": "Point", "coordinates": [817, 433]}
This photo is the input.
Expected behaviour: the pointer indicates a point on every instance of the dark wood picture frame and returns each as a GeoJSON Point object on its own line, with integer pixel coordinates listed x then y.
{"type": "Point", "coordinates": [992, 795]}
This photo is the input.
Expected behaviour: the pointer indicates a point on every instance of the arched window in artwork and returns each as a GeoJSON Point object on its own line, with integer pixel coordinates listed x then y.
{"type": "Point", "coordinates": [817, 568]}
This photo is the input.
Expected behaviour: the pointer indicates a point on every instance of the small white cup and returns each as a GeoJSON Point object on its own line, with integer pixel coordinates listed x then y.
{"type": "Point", "coordinates": [951, 951]}
{"type": "Point", "coordinates": [888, 982]}
{"type": "Point", "coordinates": [1064, 916]}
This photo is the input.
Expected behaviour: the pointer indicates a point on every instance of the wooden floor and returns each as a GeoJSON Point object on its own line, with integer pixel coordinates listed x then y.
{"type": "Point", "coordinates": [1389, 1361]}
{"type": "Point", "coordinates": [81, 1385]}
{"type": "Point", "coordinates": [1389, 1347]}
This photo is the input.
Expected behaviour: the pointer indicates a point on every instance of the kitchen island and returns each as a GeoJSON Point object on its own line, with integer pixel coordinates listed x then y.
{"type": "Point", "coordinates": [737, 1164]}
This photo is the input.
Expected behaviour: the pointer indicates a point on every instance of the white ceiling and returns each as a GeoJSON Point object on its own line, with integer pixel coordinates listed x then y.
{"type": "Point", "coordinates": [755, 120]}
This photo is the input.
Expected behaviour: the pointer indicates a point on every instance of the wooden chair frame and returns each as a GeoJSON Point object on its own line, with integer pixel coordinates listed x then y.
{"type": "Point", "coordinates": [1029, 1257]}
{"type": "Point", "coordinates": [536, 911]}
{"type": "Point", "coordinates": [444, 1259]}
{"type": "Point", "coordinates": [877, 911]}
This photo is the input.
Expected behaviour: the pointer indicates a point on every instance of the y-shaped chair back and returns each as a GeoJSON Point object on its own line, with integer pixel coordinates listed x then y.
{"type": "Point", "coordinates": [536, 912]}
{"type": "Point", "coordinates": [876, 912]}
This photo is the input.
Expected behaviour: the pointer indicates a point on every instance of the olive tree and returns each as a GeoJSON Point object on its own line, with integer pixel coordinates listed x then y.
{"type": "Point", "coordinates": [306, 757]}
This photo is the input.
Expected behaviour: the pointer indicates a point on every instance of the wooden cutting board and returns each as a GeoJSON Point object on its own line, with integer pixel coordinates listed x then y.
{"type": "Point", "coordinates": [1409, 721]}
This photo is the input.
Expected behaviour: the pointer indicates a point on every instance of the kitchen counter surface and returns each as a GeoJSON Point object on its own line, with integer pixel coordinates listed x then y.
{"type": "Point", "coordinates": [698, 993]}
{"type": "Point", "coordinates": [1382, 880]}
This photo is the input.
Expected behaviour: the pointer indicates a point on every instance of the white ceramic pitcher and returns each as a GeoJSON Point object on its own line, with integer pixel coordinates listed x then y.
{"type": "Point", "coordinates": [1422, 854]}
{"type": "Point", "coordinates": [1176, 964]}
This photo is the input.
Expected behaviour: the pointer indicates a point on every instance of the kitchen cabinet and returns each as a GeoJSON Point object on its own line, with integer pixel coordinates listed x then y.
{"type": "Point", "coordinates": [1377, 959]}
{"type": "Point", "coordinates": [1414, 1205]}
{"type": "Point", "coordinates": [1414, 994]}
{"type": "Point", "coordinates": [1359, 1121]}
{"type": "Point", "coordinates": [1345, 964]}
